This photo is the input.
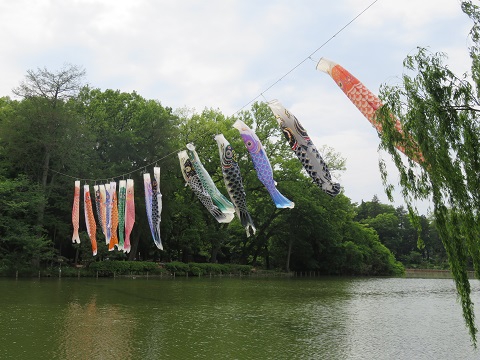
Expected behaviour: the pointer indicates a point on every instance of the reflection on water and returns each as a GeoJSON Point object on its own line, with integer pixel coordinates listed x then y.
{"type": "Point", "coordinates": [93, 332]}
{"type": "Point", "coordinates": [232, 318]}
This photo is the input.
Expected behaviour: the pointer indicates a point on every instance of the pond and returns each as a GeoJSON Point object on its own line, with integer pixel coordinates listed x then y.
{"type": "Point", "coordinates": [233, 318]}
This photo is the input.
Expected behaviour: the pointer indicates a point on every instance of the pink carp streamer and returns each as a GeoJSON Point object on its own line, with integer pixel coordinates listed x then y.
{"type": "Point", "coordinates": [90, 219]}
{"type": "Point", "coordinates": [364, 100]}
{"type": "Point", "coordinates": [76, 213]}
{"type": "Point", "coordinates": [122, 194]}
{"type": "Point", "coordinates": [129, 215]}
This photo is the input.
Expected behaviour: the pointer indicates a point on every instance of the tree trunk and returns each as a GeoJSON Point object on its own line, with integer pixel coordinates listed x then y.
{"type": "Point", "coordinates": [41, 209]}
{"type": "Point", "coordinates": [289, 253]}
{"type": "Point", "coordinates": [134, 245]}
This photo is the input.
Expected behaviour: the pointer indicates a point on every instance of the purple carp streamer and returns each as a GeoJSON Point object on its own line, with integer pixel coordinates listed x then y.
{"type": "Point", "coordinates": [233, 182]}
{"type": "Point", "coordinates": [262, 165]}
{"type": "Point", "coordinates": [156, 207]}
{"type": "Point", "coordinates": [147, 184]}
{"type": "Point", "coordinates": [103, 210]}
{"type": "Point", "coordinates": [192, 179]}
{"type": "Point", "coordinates": [108, 213]}
{"type": "Point", "coordinates": [304, 148]}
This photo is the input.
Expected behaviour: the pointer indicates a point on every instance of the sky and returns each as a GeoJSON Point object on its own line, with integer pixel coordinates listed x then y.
{"type": "Point", "coordinates": [222, 54]}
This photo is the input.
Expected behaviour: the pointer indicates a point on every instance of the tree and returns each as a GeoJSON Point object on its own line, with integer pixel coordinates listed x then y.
{"type": "Point", "coordinates": [20, 244]}
{"type": "Point", "coordinates": [440, 116]}
{"type": "Point", "coordinates": [44, 125]}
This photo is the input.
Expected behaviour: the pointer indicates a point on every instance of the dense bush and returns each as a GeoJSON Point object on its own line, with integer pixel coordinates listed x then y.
{"type": "Point", "coordinates": [109, 268]}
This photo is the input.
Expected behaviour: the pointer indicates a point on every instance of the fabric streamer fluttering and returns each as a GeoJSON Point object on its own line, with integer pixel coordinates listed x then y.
{"type": "Point", "coordinates": [304, 148]}
{"type": "Point", "coordinates": [76, 213]}
{"type": "Point", "coordinates": [262, 164]}
{"type": "Point", "coordinates": [233, 182]}
{"type": "Point", "coordinates": [122, 197]}
{"type": "Point", "coordinates": [220, 201]}
{"type": "Point", "coordinates": [367, 102]}
{"type": "Point", "coordinates": [108, 213]}
{"type": "Point", "coordinates": [156, 207]}
{"type": "Point", "coordinates": [192, 179]}
{"type": "Point", "coordinates": [129, 215]}
{"type": "Point", "coordinates": [103, 210]}
{"type": "Point", "coordinates": [90, 219]}
{"type": "Point", "coordinates": [114, 216]}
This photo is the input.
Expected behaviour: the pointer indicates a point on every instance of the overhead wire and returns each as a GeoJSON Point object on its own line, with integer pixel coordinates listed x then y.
{"type": "Point", "coordinates": [309, 57]}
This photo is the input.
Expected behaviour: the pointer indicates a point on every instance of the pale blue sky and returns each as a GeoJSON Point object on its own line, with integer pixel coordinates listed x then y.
{"type": "Point", "coordinates": [224, 53]}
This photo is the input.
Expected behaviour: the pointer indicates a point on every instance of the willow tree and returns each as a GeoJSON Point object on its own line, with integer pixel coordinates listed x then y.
{"type": "Point", "coordinates": [440, 113]}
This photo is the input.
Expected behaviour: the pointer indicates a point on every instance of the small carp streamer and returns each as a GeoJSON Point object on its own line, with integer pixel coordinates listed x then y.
{"type": "Point", "coordinates": [262, 165]}
{"type": "Point", "coordinates": [233, 182]}
{"type": "Point", "coordinates": [221, 201]}
{"type": "Point", "coordinates": [122, 196]}
{"type": "Point", "coordinates": [108, 213]}
{"type": "Point", "coordinates": [129, 215]}
{"type": "Point", "coordinates": [156, 207]}
{"type": "Point", "coordinates": [147, 184]}
{"type": "Point", "coordinates": [76, 213]}
{"type": "Point", "coordinates": [114, 216]}
{"type": "Point", "coordinates": [98, 201]}
{"type": "Point", "coordinates": [304, 148]}
{"type": "Point", "coordinates": [90, 219]}
{"type": "Point", "coordinates": [363, 99]}
{"type": "Point", "coordinates": [103, 210]}
{"type": "Point", "coordinates": [192, 179]}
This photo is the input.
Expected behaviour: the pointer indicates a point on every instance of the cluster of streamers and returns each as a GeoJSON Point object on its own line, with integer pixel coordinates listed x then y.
{"type": "Point", "coordinates": [262, 164]}
{"type": "Point", "coordinates": [153, 204]}
{"type": "Point", "coordinates": [367, 102]}
{"type": "Point", "coordinates": [113, 214]}
{"type": "Point", "coordinates": [304, 148]}
{"type": "Point", "coordinates": [233, 182]}
{"type": "Point", "coordinates": [194, 180]}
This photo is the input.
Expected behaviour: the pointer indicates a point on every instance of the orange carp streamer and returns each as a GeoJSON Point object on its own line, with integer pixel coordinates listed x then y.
{"type": "Point", "coordinates": [114, 214]}
{"type": "Point", "coordinates": [76, 213]}
{"type": "Point", "coordinates": [90, 219]}
{"type": "Point", "coordinates": [365, 101]}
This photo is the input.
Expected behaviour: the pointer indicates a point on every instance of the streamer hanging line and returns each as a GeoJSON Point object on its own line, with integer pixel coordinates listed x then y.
{"type": "Point", "coordinates": [309, 57]}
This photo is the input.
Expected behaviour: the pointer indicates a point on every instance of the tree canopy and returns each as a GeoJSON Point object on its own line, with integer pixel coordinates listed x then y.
{"type": "Point", "coordinates": [439, 112]}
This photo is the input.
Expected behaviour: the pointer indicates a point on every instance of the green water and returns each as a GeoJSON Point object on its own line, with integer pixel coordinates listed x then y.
{"type": "Point", "coordinates": [233, 318]}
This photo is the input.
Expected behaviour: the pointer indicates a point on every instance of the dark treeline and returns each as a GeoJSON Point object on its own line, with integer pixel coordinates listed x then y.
{"type": "Point", "coordinates": [59, 130]}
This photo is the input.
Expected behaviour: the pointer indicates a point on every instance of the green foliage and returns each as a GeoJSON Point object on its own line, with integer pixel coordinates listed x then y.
{"type": "Point", "coordinates": [438, 113]}
{"type": "Point", "coordinates": [206, 269]}
{"type": "Point", "coordinates": [21, 242]}
{"type": "Point", "coordinates": [109, 268]}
